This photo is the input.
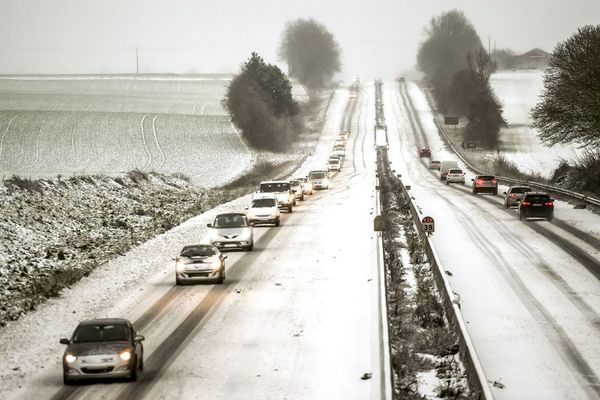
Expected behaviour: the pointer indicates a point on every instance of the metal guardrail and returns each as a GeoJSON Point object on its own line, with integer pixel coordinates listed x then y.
{"type": "Point", "coordinates": [385, 361]}
{"type": "Point", "coordinates": [548, 188]}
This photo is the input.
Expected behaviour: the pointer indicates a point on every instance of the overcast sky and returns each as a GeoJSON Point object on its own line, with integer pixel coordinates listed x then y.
{"type": "Point", "coordinates": [379, 38]}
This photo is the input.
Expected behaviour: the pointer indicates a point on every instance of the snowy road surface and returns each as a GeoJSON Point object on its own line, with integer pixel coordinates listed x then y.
{"type": "Point", "coordinates": [296, 319]}
{"type": "Point", "coordinates": [530, 302]}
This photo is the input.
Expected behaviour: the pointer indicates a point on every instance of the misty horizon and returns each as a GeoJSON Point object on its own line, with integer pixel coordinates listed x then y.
{"type": "Point", "coordinates": [377, 40]}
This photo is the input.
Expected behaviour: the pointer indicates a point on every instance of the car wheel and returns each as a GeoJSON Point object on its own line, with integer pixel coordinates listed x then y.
{"type": "Point", "coordinates": [134, 372]}
{"type": "Point", "coordinates": [520, 216]}
{"type": "Point", "coordinates": [447, 183]}
{"type": "Point", "coordinates": [550, 218]}
{"type": "Point", "coordinates": [177, 282]}
{"type": "Point", "coordinates": [474, 191]}
{"type": "Point", "coordinates": [67, 381]}
{"type": "Point", "coordinates": [495, 192]}
{"type": "Point", "coordinates": [289, 209]}
{"type": "Point", "coordinates": [277, 222]}
{"type": "Point", "coordinates": [249, 248]}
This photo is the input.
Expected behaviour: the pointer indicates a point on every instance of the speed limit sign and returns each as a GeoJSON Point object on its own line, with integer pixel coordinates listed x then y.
{"type": "Point", "coordinates": [428, 225]}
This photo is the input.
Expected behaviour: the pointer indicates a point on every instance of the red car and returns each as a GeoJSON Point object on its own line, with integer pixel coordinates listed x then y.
{"type": "Point", "coordinates": [425, 152]}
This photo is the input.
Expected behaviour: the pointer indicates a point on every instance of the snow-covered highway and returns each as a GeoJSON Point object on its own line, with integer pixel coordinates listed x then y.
{"type": "Point", "coordinates": [530, 302]}
{"type": "Point", "coordinates": [297, 318]}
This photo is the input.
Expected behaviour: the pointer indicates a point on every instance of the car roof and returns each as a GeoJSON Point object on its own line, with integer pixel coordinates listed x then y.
{"type": "Point", "coordinates": [106, 321]}
{"type": "Point", "coordinates": [519, 187]}
{"type": "Point", "coordinates": [230, 214]}
{"type": "Point", "coordinates": [266, 182]}
{"type": "Point", "coordinates": [197, 246]}
{"type": "Point", "coordinates": [537, 193]}
{"type": "Point", "coordinates": [318, 170]}
{"type": "Point", "coordinates": [262, 195]}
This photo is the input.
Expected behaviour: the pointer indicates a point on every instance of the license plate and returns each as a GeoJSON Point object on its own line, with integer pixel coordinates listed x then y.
{"type": "Point", "coordinates": [537, 205]}
{"type": "Point", "coordinates": [230, 245]}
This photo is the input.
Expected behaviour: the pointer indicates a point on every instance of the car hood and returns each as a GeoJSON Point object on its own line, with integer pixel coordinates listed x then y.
{"type": "Point", "coordinates": [233, 232]}
{"type": "Point", "coordinates": [198, 260]}
{"type": "Point", "coordinates": [97, 348]}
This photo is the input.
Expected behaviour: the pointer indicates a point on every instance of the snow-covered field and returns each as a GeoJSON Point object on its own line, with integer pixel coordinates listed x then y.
{"type": "Point", "coordinates": [518, 93]}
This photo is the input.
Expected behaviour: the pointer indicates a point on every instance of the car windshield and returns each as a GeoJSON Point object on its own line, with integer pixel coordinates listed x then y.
{"type": "Point", "coordinates": [197, 251]}
{"type": "Point", "coordinates": [294, 183]}
{"type": "Point", "coordinates": [486, 177]}
{"type": "Point", "coordinates": [101, 333]}
{"type": "Point", "coordinates": [520, 190]}
{"type": "Point", "coordinates": [274, 187]}
{"type": "Point", "coordinates": [317, 175]}
{"type": "Point", "coordinates": [455, 171]}
{"type": "Point", "coordinates": [260, 203]}
{"type": "Point", "coordinates": [333, 161]}
{"type": "Point", "coordinates": [230, 221]}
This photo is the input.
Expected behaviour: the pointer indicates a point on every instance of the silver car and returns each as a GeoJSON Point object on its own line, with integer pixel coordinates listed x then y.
{"type": "Point", "coordinates": [199, 263]}
{"type": "Point", "coordinates": [231, 231]}
{"type": "Point", "coordinates": [514, 195]}
{"type": "Point", "coordinates": [103, 348]}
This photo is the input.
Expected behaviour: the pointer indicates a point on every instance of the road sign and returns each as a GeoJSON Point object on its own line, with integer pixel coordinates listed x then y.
{"type": "Point", "coordinates": [428, 225]}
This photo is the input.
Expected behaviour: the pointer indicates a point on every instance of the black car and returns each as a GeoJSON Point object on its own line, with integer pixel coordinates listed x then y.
{"type": "Point", "coordinates": [536, 205]}
{"type": "Point", "coordinates": [103, 348]}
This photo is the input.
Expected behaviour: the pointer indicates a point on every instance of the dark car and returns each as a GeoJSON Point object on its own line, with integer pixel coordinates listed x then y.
{"type": "Point", "coordinates": [425, 152]}
{"type": "Point", "coordinates": [536, 205]}
{"type": "Point", "coordinates": [198, 263]}
{"type": "Point", "coordinates": [485, 184]}
{"type": "Point", "coordinates": [103, 348]}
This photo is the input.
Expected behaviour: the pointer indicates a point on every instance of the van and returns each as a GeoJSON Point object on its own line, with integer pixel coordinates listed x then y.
{"type": "Point", "coordinates": [445, 167]}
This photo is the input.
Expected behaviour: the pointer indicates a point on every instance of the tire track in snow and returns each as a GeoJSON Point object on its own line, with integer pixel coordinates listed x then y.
{"type": "Point", "coordinates": [162, 153]}
{"type": "Point", "coordinates": [149, 161]}
{"type": "Point", "coordinates": [4, 134]}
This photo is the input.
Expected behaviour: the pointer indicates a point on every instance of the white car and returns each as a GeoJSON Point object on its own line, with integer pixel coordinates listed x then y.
{"type": "Point", "coordinates": [231, 231]}
{"type": "Point", "coordinates": [263, 209]}
{"type": "Point", "coordinates": [339, 151]}
{"type": "Point", "coordinates": [319, 179]}
{"type": "Point", "coordinates": [334, 165]}
{"type": "Point", "coordinates": [306, 184]}
{"type": "Point", "coordinates": [455, 175]}
{"type": "Point", "coordinates": [283, 191]}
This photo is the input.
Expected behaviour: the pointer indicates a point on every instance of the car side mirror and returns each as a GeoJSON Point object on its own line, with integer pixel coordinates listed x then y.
{"type": "Point", "coordinates": [224, 257]}
{"type": "Point", "coordinates": [209, 225]}
{"type": "Point", "coordinates": [503, 192]}
{"type": "Point", "coordinates": [246, 208]}
{"type": "Point", "coordinates": [472, 180]}
{"type": "Point", "coordinates": [138, 338]}
{"type": "Point", "coordinates": [64, 341]}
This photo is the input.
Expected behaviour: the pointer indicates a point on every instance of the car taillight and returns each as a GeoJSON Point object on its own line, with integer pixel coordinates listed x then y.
{"type": "Point", "coordinates": [479, 181]}
{"type": "Point", "coordinates": [525, 203]}
{"type": "Point", "coordinates": [494, 181]}
{"type": "Point", "coordinates": [549, 204]}
{"type": "Point", "coordinates": [512, 195]}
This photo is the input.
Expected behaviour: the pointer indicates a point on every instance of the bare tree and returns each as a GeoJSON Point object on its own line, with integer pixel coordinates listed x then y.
{"type": "Point", "coordinates": [311, 52]}
{"type": "Point", "coordinates": [569, 110]}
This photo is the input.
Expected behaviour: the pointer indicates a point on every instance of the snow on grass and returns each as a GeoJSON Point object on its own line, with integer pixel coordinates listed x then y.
{"type": "Point", "coordinates": [519, 92]}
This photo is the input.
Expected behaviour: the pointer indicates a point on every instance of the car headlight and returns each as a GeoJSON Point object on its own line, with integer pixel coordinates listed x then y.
{"type": "Point", "coordinates": [125, 355]}
{"type": "Point", "coordinates": [179, 266]}
{"type": "Point", "coordinates": [70, 358]}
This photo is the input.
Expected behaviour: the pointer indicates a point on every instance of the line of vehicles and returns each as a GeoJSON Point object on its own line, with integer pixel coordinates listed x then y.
{"type": "Point", "coordinates": [110, 348]}
{"type": "Point", "coordinates": [334, 164]}
{"type": "Point", "coordinates": [530, 203]}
